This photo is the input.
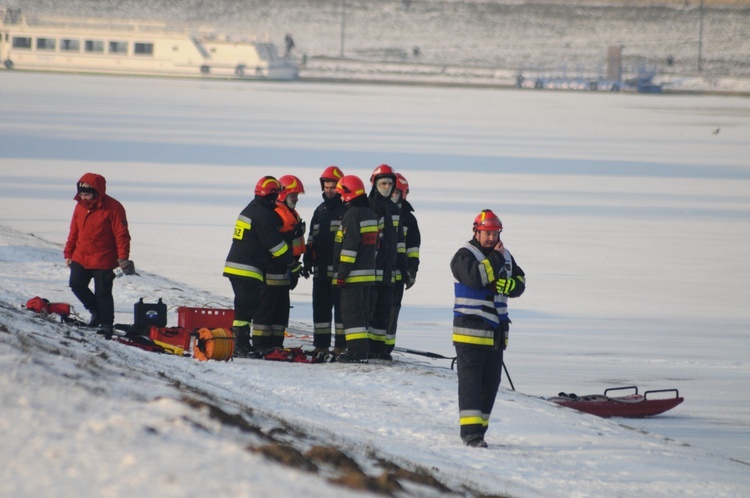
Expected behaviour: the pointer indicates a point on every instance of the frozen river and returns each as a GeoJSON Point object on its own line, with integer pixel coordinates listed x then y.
{"type": "Point", "coordinates": [630, 214]}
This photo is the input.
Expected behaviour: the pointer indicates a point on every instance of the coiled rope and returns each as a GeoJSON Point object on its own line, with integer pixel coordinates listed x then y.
{"type": "Point", "coordinates": [216, 344]}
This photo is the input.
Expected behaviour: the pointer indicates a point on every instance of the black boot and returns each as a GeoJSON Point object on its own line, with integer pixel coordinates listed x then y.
{"type": "Point", "coordinates": [95, 320]}
{"type": "Point", "coordinates": [242, 346]}
{"type": "Point", "coordinates": [106, 329]}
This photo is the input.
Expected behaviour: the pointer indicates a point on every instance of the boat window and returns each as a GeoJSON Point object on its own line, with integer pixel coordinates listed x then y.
{"type": "Point", "coordinates": [143, 49]}
{"type": "Point", "coordinates": [45, 44]}
{"type": "Point", "coordinates": [94, 46]}
{"type": "Point", "coordinates": [70, 45]}
{"type": "Point", "coordinates": [21, 42]}
{"type": "Point", "coordinates": [118, 47]}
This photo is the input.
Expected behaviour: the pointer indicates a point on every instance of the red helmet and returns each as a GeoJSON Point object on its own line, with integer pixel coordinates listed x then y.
{"type": "Point", "coordinates": [380, 171]}
{"type": "Point", "coordinates": [402, 184]}
{"type": "Point", "coordinates": [291, 185]}
{"type": "Point", "coordinates": [350, 187]}
{"type": "Point", "coordinates": [488, 221]}
{"type": "Point", "coordinates": [267, 185]}
{"type": "Point", "coordinates": [331, 174]}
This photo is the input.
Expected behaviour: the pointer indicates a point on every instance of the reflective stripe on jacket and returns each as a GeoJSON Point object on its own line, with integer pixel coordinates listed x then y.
{"type": "Point", "coordinates": [478, 308]}
{"type": "Point", "coordinates": [256, 242]}
{"type": "Point", "coordinates": [355, 245]}
{"type": "Point", "coordinates": [324, 224]}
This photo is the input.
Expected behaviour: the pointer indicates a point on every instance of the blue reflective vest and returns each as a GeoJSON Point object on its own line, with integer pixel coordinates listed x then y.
{"type": "Point", "coordinates": [484, 303]}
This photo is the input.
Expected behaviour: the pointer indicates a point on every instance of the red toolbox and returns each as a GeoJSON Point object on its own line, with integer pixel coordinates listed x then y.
{"type": "Point", "coordinates": [193, 319]}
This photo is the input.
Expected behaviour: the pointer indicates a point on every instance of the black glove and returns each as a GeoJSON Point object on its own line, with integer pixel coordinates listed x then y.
{"type": "Point", "coordinates": [307, 262]}
{"type": "Point", "coordinates": [411, 279]}
{"type": "Point", "coordinates": [294, 273]}
{"type": "Point", "coordinates": [126, 266]}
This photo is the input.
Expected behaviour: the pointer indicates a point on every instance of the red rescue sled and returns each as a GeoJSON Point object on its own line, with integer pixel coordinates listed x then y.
{"type": "Point", "coordinates": [632, 405]}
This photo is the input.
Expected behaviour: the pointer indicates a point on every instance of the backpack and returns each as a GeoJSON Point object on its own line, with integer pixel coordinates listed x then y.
{"type": "Point", "coordinates": [43, 306]}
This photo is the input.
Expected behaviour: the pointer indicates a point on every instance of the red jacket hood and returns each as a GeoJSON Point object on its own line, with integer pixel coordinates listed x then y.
{"type": "Point", "coordinates": [97, 182]}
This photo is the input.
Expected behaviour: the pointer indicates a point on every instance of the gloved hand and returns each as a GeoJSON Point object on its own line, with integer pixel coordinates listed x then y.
{"type": "Point", "coordinates": [410, 280]}
{"type": "Point", "coordinates": [504, 286]}
{"type": "Point", "coordinates": [305, 272]}
{"type": "Point", "coordinates": [340, 283]}
{"type": "Point", "coordinates": [294, 273]}
{"type": "Point", "coordinates": [307, 261]}
{"type": "Point", "coordinates": [126, 266]}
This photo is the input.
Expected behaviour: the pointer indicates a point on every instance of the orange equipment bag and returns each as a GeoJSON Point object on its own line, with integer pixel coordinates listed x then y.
{"type": "Point", "coordinates": [216, 344]}
{"type": "Point", "coordinates": [40, 305]}
{"type": "Point", "coordinates": [176, 336]}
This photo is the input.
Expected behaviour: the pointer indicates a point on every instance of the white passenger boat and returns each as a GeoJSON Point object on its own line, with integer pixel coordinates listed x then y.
{"type": "Point", "coordinates": [133, 47]}
{"type": "Point", "coordinates": [247, 59]}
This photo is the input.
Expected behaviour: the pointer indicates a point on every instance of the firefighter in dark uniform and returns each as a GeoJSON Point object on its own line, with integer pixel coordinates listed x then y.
{"type": "Point", "coordinates": [486, 276]}
{"type": "Point", "coordinates": [272, 317]}
{"type": "Point", "coordinates": [391, 256]}
{"type": "Point", "coordinates": [354, 267]}
{"type": "Point", "coordinates": [412, 239]}
{"type": "Point", "coordinates": [318, 261]}
{"type": "Point", "coordinates": [256, 243]}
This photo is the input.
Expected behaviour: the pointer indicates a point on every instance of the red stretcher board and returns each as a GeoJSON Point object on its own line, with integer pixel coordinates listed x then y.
{"type": "Point", "coordinates": [631, 405]}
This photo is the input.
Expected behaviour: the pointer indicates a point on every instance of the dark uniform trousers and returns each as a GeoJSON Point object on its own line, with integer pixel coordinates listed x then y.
{"type": "Point", "coordinates": [247, 292]}
{"type": "Point", "coordinates": [355, 312]}
{"type": "Point", "coordinates": [398, 296]}
{"type": "Point", "coordinates": [326, 310]}
{"type": "Point", "coordinates": [271, 318]}
{"type": "Point", "coordinates": [479, 370]}
{"type": "Point", "coordinates": [381, 306]}
{"type": "Point", "coordinates": [100, 301]}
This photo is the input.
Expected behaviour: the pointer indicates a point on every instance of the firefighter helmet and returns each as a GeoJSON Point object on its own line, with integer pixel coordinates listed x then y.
{"type": "Point", "coordinates": [350, 187]}
{"type": "Point", "coordinates": [381, 171]}
{"type": "Point", "coordinates": [331, 174]}
{"type": "Point", "coordinates": [402, 184]}
{"type": "Point", "coordinates": [488, 221]}
{"type": "Point", "coordinates": [291, 185]}
{"type": "Point", "coordinates": [267, 185]}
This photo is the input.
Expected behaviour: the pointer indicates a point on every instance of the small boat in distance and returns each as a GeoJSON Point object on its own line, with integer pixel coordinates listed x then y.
{"type": "Point", "coordinates": [117, 46]}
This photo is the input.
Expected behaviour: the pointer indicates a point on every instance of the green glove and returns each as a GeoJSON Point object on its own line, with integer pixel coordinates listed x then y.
{"type": "Point", "coordinates": [505, 286]}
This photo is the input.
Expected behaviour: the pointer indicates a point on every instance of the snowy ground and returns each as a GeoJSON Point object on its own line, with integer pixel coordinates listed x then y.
{"type": "Point", "coordinates": [628, 213]}
{"type": "Point", "coordinates": [471, 41]}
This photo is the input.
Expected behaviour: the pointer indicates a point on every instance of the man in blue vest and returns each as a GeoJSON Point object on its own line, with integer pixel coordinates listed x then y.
{"type": "Point", "coordinates": [486, 276]}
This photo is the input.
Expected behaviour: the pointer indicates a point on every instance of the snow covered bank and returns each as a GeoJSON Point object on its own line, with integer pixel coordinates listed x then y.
{"type": "Point", "coordinates": [88, 417]}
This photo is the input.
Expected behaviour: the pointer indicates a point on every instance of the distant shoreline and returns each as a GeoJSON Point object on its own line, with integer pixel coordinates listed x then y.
{"type": "Point", "coordinates": [636, 3]}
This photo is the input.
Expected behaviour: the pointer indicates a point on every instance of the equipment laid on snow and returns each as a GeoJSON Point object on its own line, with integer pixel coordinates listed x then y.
{"type": "Point", "coordinates": [175, 336]}
{"type": "Point", "coordinates": [434, 356]}
{"type": "Point", "coordinates": [43, 307]}
{"type": "Point", "coordinates": [632, 405]}
{"type": "Point", "coordinates": [211, 318]}
{"type": "Point", "coordinates": [143, 342]}
{"type": "Point", "coordinates": [216, 344]}
{"type": "Point", "coordinates": [147, 315]}
{"type": "Point", "coordinates": [140, 342]}
{"type": "Point", "coordinates": [294, 355]}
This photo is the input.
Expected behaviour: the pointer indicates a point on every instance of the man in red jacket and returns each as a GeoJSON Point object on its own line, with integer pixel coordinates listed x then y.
{"type": "Point", "coordinates": [98, 243]}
